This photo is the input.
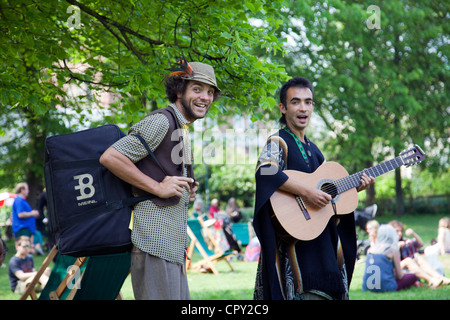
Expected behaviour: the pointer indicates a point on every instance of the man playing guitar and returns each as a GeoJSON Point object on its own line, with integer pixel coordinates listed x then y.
{"type": "Point", "coordinates": [320, 268]}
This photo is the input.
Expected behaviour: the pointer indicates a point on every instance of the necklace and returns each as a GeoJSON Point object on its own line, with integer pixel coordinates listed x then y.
{"type": "Point", "coordinates": [298, 142]}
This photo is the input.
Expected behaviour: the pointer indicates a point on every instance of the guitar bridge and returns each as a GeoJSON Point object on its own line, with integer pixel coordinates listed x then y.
{"type": "Point", "coordinates": [302, 206]}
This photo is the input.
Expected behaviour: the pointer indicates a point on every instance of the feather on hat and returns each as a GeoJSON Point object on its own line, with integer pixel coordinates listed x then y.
{"type": "Point", "coordinates": [197, 71]}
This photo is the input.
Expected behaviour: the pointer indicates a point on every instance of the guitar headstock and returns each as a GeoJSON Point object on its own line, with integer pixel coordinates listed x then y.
{"type": "Point", "coordinates": [412, 156]}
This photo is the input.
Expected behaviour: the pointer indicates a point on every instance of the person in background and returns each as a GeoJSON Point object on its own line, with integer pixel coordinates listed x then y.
{"type": "Point", "coordinates": [383, 271]}
{"type": "Point", "coordinates": [24, 217]}
{"type": "Point", "coordinates": [441, 246]}
{"type": "Point", "coordinates": [412, 260]}
{"type": "Point", "coordinates": [408, 246]}
{"type": "Point", "coordinates": [214, 208]}
{"type": "Point", "coordinates": [198, 207]}
{"type": "Point", "coordinates": [21, 267]}
{"type": "Point", "coordinates": [372, 229]}
{"type": "Point", "coordinates": [233, 211]}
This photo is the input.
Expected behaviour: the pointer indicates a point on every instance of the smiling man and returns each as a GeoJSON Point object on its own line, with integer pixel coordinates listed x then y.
{"type": "Point", "coordinates": [289, 269]}
{"type": "Point", "coordinates": [159, 225]}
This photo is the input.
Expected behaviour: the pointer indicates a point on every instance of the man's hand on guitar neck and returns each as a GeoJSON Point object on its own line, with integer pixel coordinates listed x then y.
{"type": "Point", "coordinates": [366, 181]}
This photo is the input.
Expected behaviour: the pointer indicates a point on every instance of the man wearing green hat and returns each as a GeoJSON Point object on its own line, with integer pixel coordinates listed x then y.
{"type": "Point", "coordinates": [159, 225]}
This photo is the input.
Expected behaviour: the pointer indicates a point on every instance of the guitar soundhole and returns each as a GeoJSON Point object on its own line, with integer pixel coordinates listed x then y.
{"type": "Point", "coordinates": [330, 188]}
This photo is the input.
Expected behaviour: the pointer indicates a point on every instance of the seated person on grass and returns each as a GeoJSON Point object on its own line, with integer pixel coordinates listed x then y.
{"type": "Point", "coordinates": [412, 260]}
{"type": "Point", "coordinates": [383, 272]}
{"type": "Point", "coordinates": [21, 267]}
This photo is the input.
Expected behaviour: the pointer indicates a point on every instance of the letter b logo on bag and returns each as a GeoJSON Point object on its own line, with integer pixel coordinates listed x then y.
{"type": "Point", "coordinates": [85, 186]}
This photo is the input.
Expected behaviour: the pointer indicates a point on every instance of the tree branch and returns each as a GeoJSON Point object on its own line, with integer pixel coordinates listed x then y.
{"type": "Point", "coordinates": [119, 26]}
{"type": "Point", "coordinates": [73, 76]}
{"type": "Point", "coordinates": [125, 30]}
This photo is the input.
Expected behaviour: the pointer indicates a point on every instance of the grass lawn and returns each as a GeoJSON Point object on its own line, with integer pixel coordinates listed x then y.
{"type": "Point", "coordinates": [238, 285]}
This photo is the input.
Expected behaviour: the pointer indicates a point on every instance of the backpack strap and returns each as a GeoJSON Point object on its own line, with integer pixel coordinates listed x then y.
{"type": "Point", "coordinates": [150, 152]}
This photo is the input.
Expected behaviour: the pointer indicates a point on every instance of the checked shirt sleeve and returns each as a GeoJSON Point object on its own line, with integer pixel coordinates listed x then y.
{"type": "Point", "coordinates": [152, 128]}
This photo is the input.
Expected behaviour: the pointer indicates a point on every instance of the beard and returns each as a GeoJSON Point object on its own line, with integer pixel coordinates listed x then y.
{"type": "Point", "coordinates": [190, 114]}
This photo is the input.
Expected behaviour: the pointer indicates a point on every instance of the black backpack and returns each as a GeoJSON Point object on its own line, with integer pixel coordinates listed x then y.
{"type": "Point", "coordinates": [89, 208]}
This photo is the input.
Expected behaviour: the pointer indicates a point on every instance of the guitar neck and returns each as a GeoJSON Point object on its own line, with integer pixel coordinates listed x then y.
{"type": "Point", "coordinates": [354, 180]}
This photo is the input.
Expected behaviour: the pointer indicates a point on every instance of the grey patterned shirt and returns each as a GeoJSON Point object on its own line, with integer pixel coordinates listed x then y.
{"type": "Point", "coordinates": [159, 231]}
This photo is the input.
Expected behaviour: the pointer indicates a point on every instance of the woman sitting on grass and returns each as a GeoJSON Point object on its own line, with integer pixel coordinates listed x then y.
{"type": "Point", "coordinates": [441, 246]}
{"type": "Point", "coordinates": [442, 243]}
{"type": "Point", "coordinates": [412, 260]}
{"type": "Point", "coordinates": [383, 272]}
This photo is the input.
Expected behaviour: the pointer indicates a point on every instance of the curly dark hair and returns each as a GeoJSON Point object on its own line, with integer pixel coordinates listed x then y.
{"type": "Point", "coordinates": [294, 82]}
{"type": "Point", "coordinates": [173, 86]}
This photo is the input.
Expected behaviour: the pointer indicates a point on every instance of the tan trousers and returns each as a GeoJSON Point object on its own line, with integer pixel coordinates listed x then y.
{"type": "Point", "coordinates": [157, 279]}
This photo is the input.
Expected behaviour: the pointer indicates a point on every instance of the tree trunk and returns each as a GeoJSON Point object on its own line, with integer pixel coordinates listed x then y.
{"type": "Point", "coordinates": [35, 160]}
{"type": "Point", "coordinates": [399, 201]}
{"type": "Point", "coordinates": [370, 192]}
{"type": "Point", "coordinates": [370, 195]}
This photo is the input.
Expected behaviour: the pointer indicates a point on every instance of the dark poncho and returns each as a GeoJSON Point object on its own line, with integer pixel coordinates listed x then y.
{"type": "Point", "coordinates": [317, 258]}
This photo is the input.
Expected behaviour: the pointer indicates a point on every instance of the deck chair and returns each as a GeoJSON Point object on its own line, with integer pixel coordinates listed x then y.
{"type": "Point", "coordinates": [104, 276]}
{"type": "Point", "coordinates": [209, 257]}
{"type": "Point", "coordinates": [242, 232]}
{"type": "Point", "coordinates": [62, 274]}
{"type": "Point", "coordinates": [100, 278]}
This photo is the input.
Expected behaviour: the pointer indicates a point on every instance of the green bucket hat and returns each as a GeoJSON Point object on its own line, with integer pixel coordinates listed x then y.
{"type": "Point", "coordinates": [197, 71]}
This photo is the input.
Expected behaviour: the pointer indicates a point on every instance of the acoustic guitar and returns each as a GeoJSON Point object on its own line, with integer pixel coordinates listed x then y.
{"type": "Point", "coordinates": [302, 221]}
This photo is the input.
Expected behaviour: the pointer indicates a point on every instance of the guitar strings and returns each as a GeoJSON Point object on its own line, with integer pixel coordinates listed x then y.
{"type": "Point", "coordinates": [336, 185]}
{"type": "Point", "coordinates": [374, 171]}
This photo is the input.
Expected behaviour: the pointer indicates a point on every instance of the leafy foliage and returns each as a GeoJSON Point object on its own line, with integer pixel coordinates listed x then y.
{"type": "Point", "coordinates": [377, 88]}
{"type": "Point", "coordinates": [51, 49]}
{"type": "Point", "coordinates": [373, 84]}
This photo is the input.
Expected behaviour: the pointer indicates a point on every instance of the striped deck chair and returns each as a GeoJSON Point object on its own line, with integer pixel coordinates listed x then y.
{"type": "Point", "coordinates": [99, 277]}
{"type": "Point", "coordinates": [104, 276]}
{"type": "Point", "coordinates": [209, 257]}
{"type": "Point", "coordinates": [242, 232]}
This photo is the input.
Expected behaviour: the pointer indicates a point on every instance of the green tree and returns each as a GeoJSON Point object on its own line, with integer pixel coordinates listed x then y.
{"type": "Point", "coordinates": [122, 47]}
{"type": "Point", "coordinates": [227, 181]}
{"type": "Point", "coordinates": [378, 72]}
